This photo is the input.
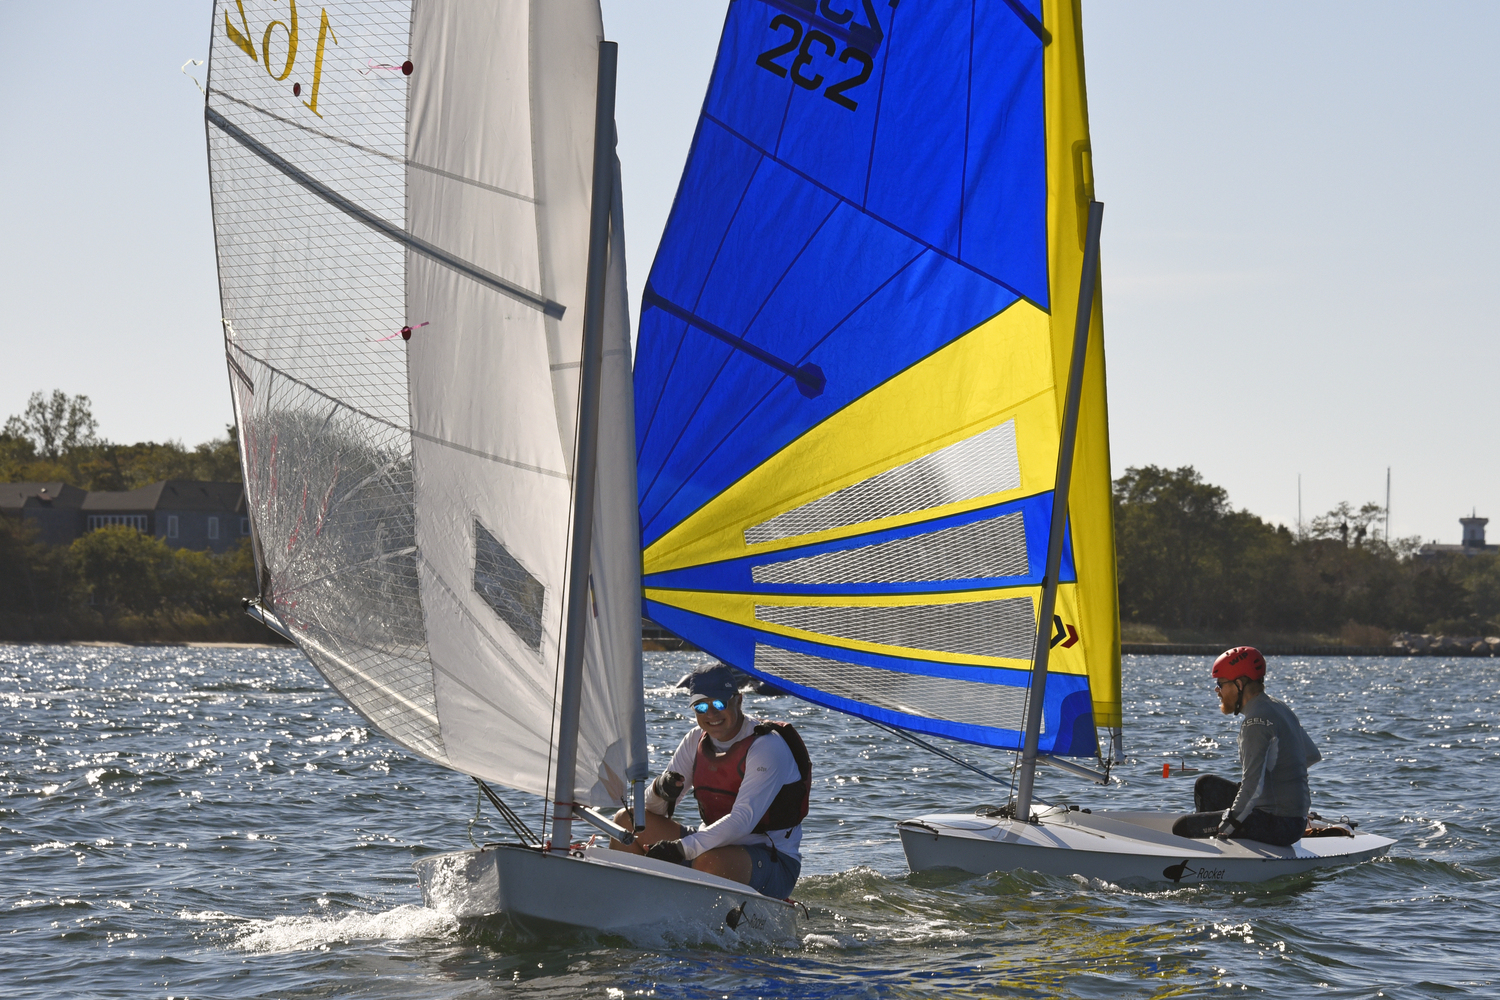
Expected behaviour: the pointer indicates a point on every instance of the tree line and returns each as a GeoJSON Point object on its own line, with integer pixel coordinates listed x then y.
{"type": "Point", "coordinates": [1189, 561]}
{"type": "Point", "coordinates": [114, 583]}
{"type": "Point", "coordinates": [55, 439]}
{"type": "Point", "coordinates": [1190, 565]}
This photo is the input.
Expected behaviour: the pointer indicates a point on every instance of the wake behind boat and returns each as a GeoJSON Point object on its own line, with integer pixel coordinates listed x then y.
{"type": "Point", "coordinates": [421, 267]}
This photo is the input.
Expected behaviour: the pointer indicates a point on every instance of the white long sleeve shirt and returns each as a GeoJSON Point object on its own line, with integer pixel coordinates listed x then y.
{"type": "Point", "coordinates": [768, 766]}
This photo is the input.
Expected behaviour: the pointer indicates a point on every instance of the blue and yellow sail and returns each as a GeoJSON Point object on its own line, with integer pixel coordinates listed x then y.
{"type": "Point", "coordinates": [853, 349]}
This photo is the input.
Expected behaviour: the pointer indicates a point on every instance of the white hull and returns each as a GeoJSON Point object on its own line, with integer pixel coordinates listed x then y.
{"type": "Point", "coordinates": [1118, 847]}
{"type": "Point", "coordinates": [602, 890]}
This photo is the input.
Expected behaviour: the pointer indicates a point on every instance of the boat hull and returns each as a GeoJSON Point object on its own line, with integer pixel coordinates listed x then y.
{"type": "Point", "coordinates": [604, 891]}
{"type": "Point", "coordinates": [1118, 847]}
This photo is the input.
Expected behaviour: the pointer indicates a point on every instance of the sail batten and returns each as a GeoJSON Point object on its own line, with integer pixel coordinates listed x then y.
{"type": "Point", "coordinates": [905, 215]}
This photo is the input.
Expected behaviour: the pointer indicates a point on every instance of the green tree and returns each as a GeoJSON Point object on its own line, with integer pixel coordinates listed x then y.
{"type": "Point", "coordinates": [1180, 544]}
{"type": "Point", "coordinates": [56, 424]}
{"type": "Point", "coordinates": [35, 578]}
{"type": "Point", "coordinates": [123, 569]}
{"type": "Point", "coordinates": [218, 461]}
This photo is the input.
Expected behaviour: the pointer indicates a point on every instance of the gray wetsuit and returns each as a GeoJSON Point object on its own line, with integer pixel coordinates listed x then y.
{"type": "Point", "coordinates": [1270, 801]}
{"type": "Point", "coordinates": [1275, 753]}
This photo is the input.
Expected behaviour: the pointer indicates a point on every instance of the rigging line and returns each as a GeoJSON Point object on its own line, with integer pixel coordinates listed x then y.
{"type": "Point", "coordinates": [903, 734]}
{"type": "Point", "coordinates": [375, 152]}
{"type": "Point", "coordinates": [434, 439]}
{"type": "Point", "coordinates": [375, 222]}
{"type": "Point", "coordinates": [512, 819]}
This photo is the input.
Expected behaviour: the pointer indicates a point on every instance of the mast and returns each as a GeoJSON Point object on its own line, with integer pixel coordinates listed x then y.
{"type": "Point", "coordinates": [1086, 285]}
{"type": "Point", "coordinates": [585, 462]}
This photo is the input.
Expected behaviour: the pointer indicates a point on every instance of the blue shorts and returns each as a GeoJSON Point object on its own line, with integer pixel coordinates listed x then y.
{"type": "Point", "coordinates": [772, 873]}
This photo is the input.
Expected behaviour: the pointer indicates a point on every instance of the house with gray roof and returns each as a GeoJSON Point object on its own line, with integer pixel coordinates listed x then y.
{"type": "Point", "coordinates": [183, 513]}
{"type": "Point", "coordinates": [55, 509]}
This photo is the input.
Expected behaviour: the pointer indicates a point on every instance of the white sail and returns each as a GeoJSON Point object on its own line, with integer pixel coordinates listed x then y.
{"type": "Point", "coordinates": [411, 494]}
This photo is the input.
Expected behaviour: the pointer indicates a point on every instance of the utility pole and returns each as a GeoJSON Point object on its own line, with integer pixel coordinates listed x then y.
{"type": "Point", "coordinates": [1387, 505]}
{"type": "Point", "coordinates": [1299, 506]}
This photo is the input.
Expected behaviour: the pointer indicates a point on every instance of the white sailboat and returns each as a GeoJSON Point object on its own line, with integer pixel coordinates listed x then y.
{"type": "Point", "coordinates": [873, 464]}
{"type": "Point", "coordinates": [421, 264]}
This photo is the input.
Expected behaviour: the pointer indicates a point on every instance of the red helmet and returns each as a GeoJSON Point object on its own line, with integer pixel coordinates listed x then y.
{"type": "Point", "coordinates": [1241, 661]}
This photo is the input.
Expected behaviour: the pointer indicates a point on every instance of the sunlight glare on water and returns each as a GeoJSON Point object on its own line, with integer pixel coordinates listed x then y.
{"type": "Point", "coordinates": [216, 823]}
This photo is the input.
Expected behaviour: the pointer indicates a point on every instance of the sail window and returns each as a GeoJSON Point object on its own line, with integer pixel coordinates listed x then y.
{"type": "Point", "coordinates": [995, 547]}
{"type": "Point", "coordinates": [514, 594]}
{"type": "Point", "coordinates": [974, 467]}
{"type": "Point", "coordinates": [999, 706]}
{"type": "Point", "coordinates": [1004, 628]}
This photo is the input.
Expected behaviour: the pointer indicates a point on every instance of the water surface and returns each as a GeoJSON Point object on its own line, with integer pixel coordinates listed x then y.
{"type": "Point", "coordinates": [216, 823]}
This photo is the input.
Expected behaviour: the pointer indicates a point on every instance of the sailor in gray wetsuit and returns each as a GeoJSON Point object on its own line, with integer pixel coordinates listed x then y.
{"type": "Point", "coordinates": [1271, 801]}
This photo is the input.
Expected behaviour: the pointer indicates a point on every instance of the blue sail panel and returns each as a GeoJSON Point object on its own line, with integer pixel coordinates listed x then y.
{"type": "Point", "coordinates": [847, 373]}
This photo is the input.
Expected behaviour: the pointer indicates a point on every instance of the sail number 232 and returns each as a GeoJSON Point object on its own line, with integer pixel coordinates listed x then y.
{"type": "Point", "coordinates": [809, 44]}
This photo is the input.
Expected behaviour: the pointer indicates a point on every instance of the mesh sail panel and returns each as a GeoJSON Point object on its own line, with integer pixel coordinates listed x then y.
{"type": "Point", "coordinates": [949, 699]}
{"type": "Point", "coordinates": [994, 547]}
{"type": "Point", "coordinates": [331, 498]}
{"type": "Point", "coordinates": [312, 297]}
{"type": "Point", "coordinates": [979, 628]}
{"type": "Point", "coordinates": [975, 467]}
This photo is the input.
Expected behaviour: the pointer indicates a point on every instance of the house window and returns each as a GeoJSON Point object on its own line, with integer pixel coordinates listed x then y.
{"type": "Point", "coordinates": [171, 525]}
{"type": "Point", "coordinates": [136, 521]}
{"type": "Point", "coordinates": [213, 529]}
{"type": "Point", "coordinates": [244, 526]}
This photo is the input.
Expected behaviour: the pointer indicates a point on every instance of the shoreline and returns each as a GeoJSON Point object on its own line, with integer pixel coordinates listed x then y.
{"type": "Point", "coordinates": [118, 643]}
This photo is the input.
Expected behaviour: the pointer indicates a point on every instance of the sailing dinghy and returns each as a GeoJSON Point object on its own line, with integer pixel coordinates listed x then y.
{"type": "Point", "coordinates": [870, 408]}
{"type": "Point", "coordinates": [421, 265]}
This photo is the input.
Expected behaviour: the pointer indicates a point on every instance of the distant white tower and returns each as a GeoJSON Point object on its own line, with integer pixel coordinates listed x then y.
{"type": "Point", "coordinates": [1473, 531]}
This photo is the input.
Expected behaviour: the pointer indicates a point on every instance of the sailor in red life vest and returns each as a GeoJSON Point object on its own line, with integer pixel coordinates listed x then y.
{"type": "Point", "coordinates": [752, 783]}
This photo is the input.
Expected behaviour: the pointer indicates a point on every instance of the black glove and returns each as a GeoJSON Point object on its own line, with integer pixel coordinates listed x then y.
{"type": "Point", "coordinates": [1229, 828]}
{"type": "Point", "coordinates": [668, 786]}
{"type": "Point", "coordinates": [668, 850]}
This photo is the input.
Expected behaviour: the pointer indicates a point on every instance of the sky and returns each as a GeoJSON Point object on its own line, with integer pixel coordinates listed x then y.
{"type": "Point", "coordinates": [1299, 256]}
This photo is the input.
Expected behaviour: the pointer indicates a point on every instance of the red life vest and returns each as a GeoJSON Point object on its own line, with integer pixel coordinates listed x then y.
{"type": "Point", "coordinates": [717, 778]}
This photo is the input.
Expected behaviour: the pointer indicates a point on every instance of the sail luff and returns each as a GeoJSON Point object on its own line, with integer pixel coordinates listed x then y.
{"type": "Point", "coordinates": [585, 466]}
{"type": "Point", "coordinates": [1088, 282]}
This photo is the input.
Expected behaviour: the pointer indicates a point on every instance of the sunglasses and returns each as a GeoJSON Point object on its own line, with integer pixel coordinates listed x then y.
{"type": "Point", "coordinates": [718, 705]}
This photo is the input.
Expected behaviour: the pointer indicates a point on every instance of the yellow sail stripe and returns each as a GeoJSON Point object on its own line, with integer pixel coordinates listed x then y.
{"type": "Point", "coordinates": [739, 609]}
{"type": "Point", "coordinates": [1070, 188]}
{"type": "Point", "coordinates": [997, 372]}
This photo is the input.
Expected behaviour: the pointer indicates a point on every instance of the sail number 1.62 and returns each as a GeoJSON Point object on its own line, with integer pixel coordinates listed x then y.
{"type": "Point", "coordinates": [806, 46]}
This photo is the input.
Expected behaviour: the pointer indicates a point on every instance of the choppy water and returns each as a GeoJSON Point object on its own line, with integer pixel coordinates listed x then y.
{"type": "Point", "coordinates": [214, 823]}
